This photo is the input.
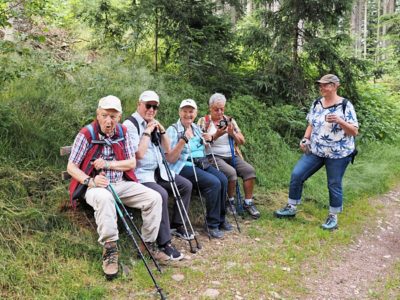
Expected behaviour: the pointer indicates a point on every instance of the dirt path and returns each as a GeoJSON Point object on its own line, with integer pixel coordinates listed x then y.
{"type": "Point", "coordinates": [353, 272]}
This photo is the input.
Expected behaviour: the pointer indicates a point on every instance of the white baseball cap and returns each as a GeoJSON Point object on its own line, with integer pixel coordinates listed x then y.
{"type": "Point", "coordinates": [149, 96]}
{"type": "Point", "coordinates": [110, 102]}
{"type": "Point", "coordinates": [188, 102]}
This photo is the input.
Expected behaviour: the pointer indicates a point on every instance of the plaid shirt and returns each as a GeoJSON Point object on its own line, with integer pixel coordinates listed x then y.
{"type": "Point", "coordinates": [81, 147]}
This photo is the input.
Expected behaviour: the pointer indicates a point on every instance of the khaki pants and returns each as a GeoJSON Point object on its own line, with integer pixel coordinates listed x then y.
{"type": "Point", "coordinates": [243, 168]}
{"type": "Point", "coordinates": [132, 194]}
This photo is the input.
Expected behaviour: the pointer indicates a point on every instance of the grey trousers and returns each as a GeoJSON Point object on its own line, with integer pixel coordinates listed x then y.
{"type": "Point", "coordinates": [162, 186]}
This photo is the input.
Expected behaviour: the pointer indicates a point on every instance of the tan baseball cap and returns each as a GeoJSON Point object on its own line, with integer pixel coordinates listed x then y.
{"type": "Point", "coordinates": [110, 102]}
{"type": "Point", "coordinates": [329, 78]}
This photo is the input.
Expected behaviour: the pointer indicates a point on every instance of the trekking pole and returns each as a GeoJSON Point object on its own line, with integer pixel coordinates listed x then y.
{"type": "Point", "coordinates": [198, 189]}
{"type": "Point", "coordinates": [239, 200]}
{"type": "Point", "coordinates": [181, 208]}
{"type": "Point", "coordinates": [178, 199]}
{"type": "Point", "coordinates": [118, 202]}
{"type": "Point", "coordinates": [230, 204]}
{"type": "Point", "coordinates": [130, 218]}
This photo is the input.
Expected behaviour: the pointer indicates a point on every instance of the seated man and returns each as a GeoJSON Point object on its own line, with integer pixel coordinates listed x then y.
{"type": "Point", "coordinates": [150, 169]}
{"type": "Point", "coordinates": [226, 135]}
{"type": "Point", "coordinates": [97, 165]}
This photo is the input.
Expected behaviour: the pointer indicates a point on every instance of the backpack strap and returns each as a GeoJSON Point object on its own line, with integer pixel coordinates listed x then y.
{"type": "Point", "coordinates": [134, 122]}
{"type": "Point", "coordinates": [316, 101]}
{"type": "Point", "coordinates": [207, 122]}
{"type": "Point", "coordinates": [344, 104]}
{"type": "Point", "coordinates": [121, 133]}
{"type": "Point", "coordinates": [176, 127]}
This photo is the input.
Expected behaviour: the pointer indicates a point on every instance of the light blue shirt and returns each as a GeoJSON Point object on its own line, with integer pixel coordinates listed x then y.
{"type": "Point", "coordinates": [329, 139]}
{"type": "Point", "coordinates": [145, 167]}
{"type": "Point", "coordinates": [196, 147]}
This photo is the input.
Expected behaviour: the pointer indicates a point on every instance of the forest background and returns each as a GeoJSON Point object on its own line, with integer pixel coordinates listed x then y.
{"type": "Point", "coordinates": [57, 58]}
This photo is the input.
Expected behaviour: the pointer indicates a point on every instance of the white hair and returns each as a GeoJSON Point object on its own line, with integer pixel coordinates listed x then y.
{"type": "Point", "coordinates": [217, 97]}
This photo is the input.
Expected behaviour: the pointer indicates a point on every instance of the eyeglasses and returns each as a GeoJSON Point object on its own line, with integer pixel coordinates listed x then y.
{"type": "Point", "coordinates": [154, 106]}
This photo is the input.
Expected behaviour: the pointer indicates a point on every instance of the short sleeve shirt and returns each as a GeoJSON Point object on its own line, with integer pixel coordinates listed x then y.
{"type": "Point", "coordinates": [81, 147]}
{"type": "Point", "coordinates": [329, 139]}
{"type": "Point", "coordinates": [152, 159]}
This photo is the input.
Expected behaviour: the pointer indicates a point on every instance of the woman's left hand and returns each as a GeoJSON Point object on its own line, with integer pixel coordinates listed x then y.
{"type": "Point", "coordinates": [231, 129]}
{"type": "Point", "coordinates": [332, 118]}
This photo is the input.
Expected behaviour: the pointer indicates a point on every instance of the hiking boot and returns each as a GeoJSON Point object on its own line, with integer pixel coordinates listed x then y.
{"type": "Point", "coordinates": [331, 222]}
{"type": "Point", "coordinates": [171, 252]}
{"type": "Point", "coordinates": [110, 260]}
{"type": "Point", "coordinates": [230, 207]}
{"type": "Point", "coordinates": [288, 211]}
{"type": "Point", "coordinates": [215, 233]}
{"type": "Point", "coordinates": [226, 226]}
{"type": "Point", "coordinates": [181, 233]}
{"type": "Point", "coordinates": [251, 209]}
{"type": "Point", "coordinates": [158, 255]}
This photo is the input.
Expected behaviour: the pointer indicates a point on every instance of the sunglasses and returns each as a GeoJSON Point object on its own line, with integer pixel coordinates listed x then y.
{"type": "Point", "coordinates": [154, 106]}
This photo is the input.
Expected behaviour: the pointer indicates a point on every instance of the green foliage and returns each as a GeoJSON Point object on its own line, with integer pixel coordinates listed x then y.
{"type": "Point", "coordinates": [289, 122]}
{"type": "Point", "coordinates": [261, 139]}
{"type": "Point", "coordinates": [45, 100]}
{"type": "Point", "coordinates": [287, 57]}
{"type": "Point", "coordinates": [192, 42]}
{"type": "Point", "coordinates": [378, 113]}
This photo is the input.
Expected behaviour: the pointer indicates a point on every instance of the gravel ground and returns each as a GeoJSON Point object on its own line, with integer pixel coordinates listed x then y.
{"type": "Point", "coordinates": [362, 268]}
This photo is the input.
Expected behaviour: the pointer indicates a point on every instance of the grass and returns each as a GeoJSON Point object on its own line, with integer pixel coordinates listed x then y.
{"type": "Point", "coordinates": [49, 253]}
{"type": "Point", "coordinates": [46, 254]}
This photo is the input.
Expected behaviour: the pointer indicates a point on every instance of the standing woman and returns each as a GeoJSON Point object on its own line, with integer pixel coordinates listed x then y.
{"type": "Point", "coordinates": [329, 141]}
{"type": "Point", "coordinates": [187, 146]}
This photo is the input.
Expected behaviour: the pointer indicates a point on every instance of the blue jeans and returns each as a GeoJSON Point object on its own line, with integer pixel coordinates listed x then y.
{"type": "Point", "coordinates": [307, 166]}
{"type": "Point", "coordinates": [213, 186]}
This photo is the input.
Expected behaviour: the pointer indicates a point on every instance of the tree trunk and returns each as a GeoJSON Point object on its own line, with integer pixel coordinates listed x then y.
{"type": "Point", "coordinates": [365, 36]}
{"type": "Point", "coordinates": [156, 42]}
{"type": "Point", "coordinates": [295, 44]}
{"type": "Point", "coordinates": [378, 29]}
{"type": "Point", "coordinates": [389, 7]}
{"type": "Point", "coordinates": [357, 25]}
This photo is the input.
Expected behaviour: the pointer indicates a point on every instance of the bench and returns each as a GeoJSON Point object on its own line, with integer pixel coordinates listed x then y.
{"type": "Point", "coordinates": [66, 150]}
{"type": "Point", "coordinates": [87, 218]}
{"type": "Point", "coordinates": [196, 218]}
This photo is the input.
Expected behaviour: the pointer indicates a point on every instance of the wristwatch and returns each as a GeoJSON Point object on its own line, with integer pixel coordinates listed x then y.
{"type": "Point", "coordinates": [86, 181]}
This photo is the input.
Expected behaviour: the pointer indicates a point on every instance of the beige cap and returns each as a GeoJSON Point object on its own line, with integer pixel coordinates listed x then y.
{"type": "Point", "coordinates": [329, 78]}
{"type": "Point", "coordinates": [149, 96]}
{"type": "Point", "coordinates": [110, 102]}
{"type": "Point", "coordinates": [188, 102]}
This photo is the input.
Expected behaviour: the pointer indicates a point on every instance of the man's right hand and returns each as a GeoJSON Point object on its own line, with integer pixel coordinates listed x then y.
{"type": "Point", "coordinates": [151, 126]}
{"type": "Point", "coordinates": [101, 180]}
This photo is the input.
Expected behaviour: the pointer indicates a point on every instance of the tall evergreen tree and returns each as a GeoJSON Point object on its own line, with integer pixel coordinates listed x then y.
{"type": "Point", "coordinates": [286, 45]}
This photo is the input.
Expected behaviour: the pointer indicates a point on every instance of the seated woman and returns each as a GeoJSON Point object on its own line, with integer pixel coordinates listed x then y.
{"type": "Point", "coordinates": [187, 147]}
{"type": "Point", "coordinates": [226, 135]}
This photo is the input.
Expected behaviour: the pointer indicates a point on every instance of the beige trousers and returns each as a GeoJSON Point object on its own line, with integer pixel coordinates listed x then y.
{"type": "Point", "coordinates": [132, 194]}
